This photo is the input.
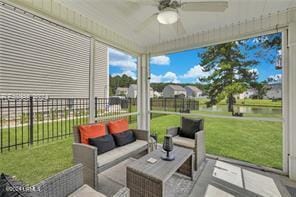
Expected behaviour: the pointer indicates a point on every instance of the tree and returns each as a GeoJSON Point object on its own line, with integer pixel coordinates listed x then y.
{"type": "Point", "coordinates": [120, 81]}
{"type": "Point", "coordinates": [268, 43]}
{"type": "Point", "coordinates": [230, 72]}
{"type": "Point", "coordinates": [261, 88]}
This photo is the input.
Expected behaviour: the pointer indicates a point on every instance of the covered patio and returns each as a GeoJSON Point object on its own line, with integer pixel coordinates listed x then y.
{"type": "Point", "coordinates": [132, 26]}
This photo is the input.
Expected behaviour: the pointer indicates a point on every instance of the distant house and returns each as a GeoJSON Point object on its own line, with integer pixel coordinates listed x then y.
{"type": "Point", "coordinates": [174, 91]}
{"type": "Point", "coordinates": [133, 90]}
{"type": "Point", "coordinates": [250, 93]}
{"type": "Point", "coordinates": [274, 91]}
{"type": "Point", "coordinates": [157, 94]}
{"type": "Point", "coordinates": [121, 91]}
{"type": "Point", "coordinates": [193, 92]}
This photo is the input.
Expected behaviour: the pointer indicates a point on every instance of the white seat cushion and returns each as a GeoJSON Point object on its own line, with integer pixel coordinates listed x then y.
{"type": "Point", "coordinates": [120, 152]}
{"type": "Point", "coordinates": [86, 190]}
{"type": "Point", "coordinates": [184, 142]}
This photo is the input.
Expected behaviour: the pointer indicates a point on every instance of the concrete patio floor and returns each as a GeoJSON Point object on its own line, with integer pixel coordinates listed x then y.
{"type": "Point", "coordinates": [218, 179]}
{"type": "Point", "coordinates": [221, 179]}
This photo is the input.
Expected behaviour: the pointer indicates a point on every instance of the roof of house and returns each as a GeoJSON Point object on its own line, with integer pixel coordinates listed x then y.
{"type": "Point", "coordinates": [193, 88]}
{"type": "Point", "coordinates": [176, 87]}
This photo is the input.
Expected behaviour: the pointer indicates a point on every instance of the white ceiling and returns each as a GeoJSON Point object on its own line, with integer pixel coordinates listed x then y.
{"type": "Point", "coordinates": [124, 17]}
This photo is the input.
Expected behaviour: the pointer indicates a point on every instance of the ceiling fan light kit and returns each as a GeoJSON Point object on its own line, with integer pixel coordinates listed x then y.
{"type": "Point", "coordinates": [168, 11]}
{"type": "Point", "coordinates": [168, 16]}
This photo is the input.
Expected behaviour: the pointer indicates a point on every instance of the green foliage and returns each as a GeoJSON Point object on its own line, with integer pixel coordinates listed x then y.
{"type": "Point", "coordinates": [126, 81]}
{"type": "Point", "coordinates": [261, 89]}
{"type": "Point", "coordinates": [120, 81]}
{"type": "Point", "coordinates": [230, 71]}
{"type": "Point", "coordinates": [268, 43]}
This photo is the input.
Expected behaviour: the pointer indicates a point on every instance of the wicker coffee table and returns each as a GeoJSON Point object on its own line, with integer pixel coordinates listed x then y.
{"type": "Point", "coordinates": [149, 180]}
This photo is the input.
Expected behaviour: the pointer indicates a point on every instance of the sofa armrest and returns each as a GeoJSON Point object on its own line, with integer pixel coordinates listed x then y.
{"type": "Point", "coordinates": [200, 148]}
{"type": "Point", "coordinates": [123, 192]}
{"type": "Point", "coordinates": [141, 134]}
{"type": "Point", "coordinates": [173, 131]}
{"type": "Point", "coordinates": [87, 155]}
{"type": "Point", "coordinates": [61, 184]}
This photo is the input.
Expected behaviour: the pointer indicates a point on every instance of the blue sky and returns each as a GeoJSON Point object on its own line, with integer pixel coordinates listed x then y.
{"type": "Point", "coordinates": [183, 67]}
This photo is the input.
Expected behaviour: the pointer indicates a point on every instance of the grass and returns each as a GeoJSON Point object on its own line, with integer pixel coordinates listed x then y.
{"type": "Point", "coordinates": [258, 142]}
{"type": "Point", "coordinates": [42, 132]}
{"type": "Point", "coordinates": [224, 113]}
{"type": "Point", "coordinates": [248, 102]}
{"type": "Point", "coordinates": [38, 162]}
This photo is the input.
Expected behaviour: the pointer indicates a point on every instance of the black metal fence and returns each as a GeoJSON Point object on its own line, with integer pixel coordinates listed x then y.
{"type": "Point", "coordinates": [182, 105]}
{"type": "Point", "coordinates": [114, 106]}
{"type": "Point", "coordinates": [33, 120]}
{"type": "Point", "coordinates": [28, 121]}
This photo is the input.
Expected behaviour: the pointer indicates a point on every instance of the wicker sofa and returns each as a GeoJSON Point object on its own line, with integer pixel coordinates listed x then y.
{"type": "Point", "coordinates": [197, 144]}
{"type": "Point", "coordinates": [94, 163]}
{"type": "Point", "coordinates": [70, 183]}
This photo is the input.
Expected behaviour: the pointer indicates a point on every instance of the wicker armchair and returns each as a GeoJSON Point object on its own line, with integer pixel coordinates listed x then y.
{"type": "Point", "coordinates": [70, 183]}
{"type": "Point", "coordinates": [197, 144]}
{"type": "Point", "coordinates": [94, 164]}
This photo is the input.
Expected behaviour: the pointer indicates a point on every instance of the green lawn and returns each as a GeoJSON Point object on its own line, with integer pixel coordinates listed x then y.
{"type": "Point", "coordinates": [258, 142]}
{"type": "Point", "coordinates": [38, 162]}
{"type": "Point", "coordinates": [248, 102]}
{"type": "Point", "coordinates": [225, 113]}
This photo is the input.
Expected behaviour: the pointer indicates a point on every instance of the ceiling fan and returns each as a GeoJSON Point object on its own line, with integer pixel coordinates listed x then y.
{"type": "Point", "coordinates": [168, 11]}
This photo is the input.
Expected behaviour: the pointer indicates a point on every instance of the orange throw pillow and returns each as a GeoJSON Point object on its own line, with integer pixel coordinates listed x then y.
{"type": "Point", "coordinates": [118, 126]}
{"type": "Point", "coordinates": [91, 131]}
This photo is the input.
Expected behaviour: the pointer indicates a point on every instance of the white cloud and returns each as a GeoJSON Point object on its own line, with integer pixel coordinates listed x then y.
{"type": "Point", "coordinates": [160, 60]}
{"type": "Point", "coordinates": [195, 72]}
{"type": "Point", "coordinates": [122, 60]}
{"type": "Point", "coordinates": [128, 73]}
{"type": "Point", "coordinates": [168, 77]}
{"type": "Point", "coordinates": [259, 39]}
{"type": "Point", "coordinates": [276, 78]}
{"type": "Point", "coordinates": [254, 71]}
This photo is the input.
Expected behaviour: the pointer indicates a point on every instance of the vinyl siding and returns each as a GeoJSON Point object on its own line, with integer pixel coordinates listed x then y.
{"type": "Point", "coordinates": [38, 57]}
{"type": "Point", "coordinates": [101, 70]}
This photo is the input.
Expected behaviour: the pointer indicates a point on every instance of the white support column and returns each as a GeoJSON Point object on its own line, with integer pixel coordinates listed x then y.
{"type": "Point", "coordinates": [143, 92]}
{"type": "Point", "coordinates": [292, 98]}
{"type": "Point", "coordinates": [285, 100]}
{"type": "Point", "coordinates": [91, 95]}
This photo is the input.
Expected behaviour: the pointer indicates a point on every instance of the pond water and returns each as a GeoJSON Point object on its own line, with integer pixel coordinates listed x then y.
{"type": "Point", "coordinates": [243, 109]}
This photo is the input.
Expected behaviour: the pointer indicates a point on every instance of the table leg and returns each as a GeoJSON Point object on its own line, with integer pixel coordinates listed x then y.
{"type": "Point", "coordinates": [187, 167]}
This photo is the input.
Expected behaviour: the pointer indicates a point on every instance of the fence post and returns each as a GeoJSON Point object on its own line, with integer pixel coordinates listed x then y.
{"type": "Point", "coordinates": [96, 107]}
{"type": "Point", "coordinates": [151, 102]}
{"type": "Point", "coordinates": [130, 109]}
{"type": "Point", "coordinates": [165, 107]}
{"type": "Point", "coordinates": [189, 104]}
{"type": "Point", "coordinates": [31, 115]}
{"type": "Point", "coordinates": [175, 104]}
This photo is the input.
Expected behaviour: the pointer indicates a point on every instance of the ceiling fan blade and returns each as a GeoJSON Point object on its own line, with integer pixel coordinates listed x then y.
{"type": "Point", "coordinates": [205, 6]}
{"type": "Point", "coordinates": [146, 23]}
{"type": "Point", "coordinates": [179, 28]}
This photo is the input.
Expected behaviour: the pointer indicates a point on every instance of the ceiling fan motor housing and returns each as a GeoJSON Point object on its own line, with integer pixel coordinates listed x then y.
{"type": "Point", "coordinates": [163, 4]}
